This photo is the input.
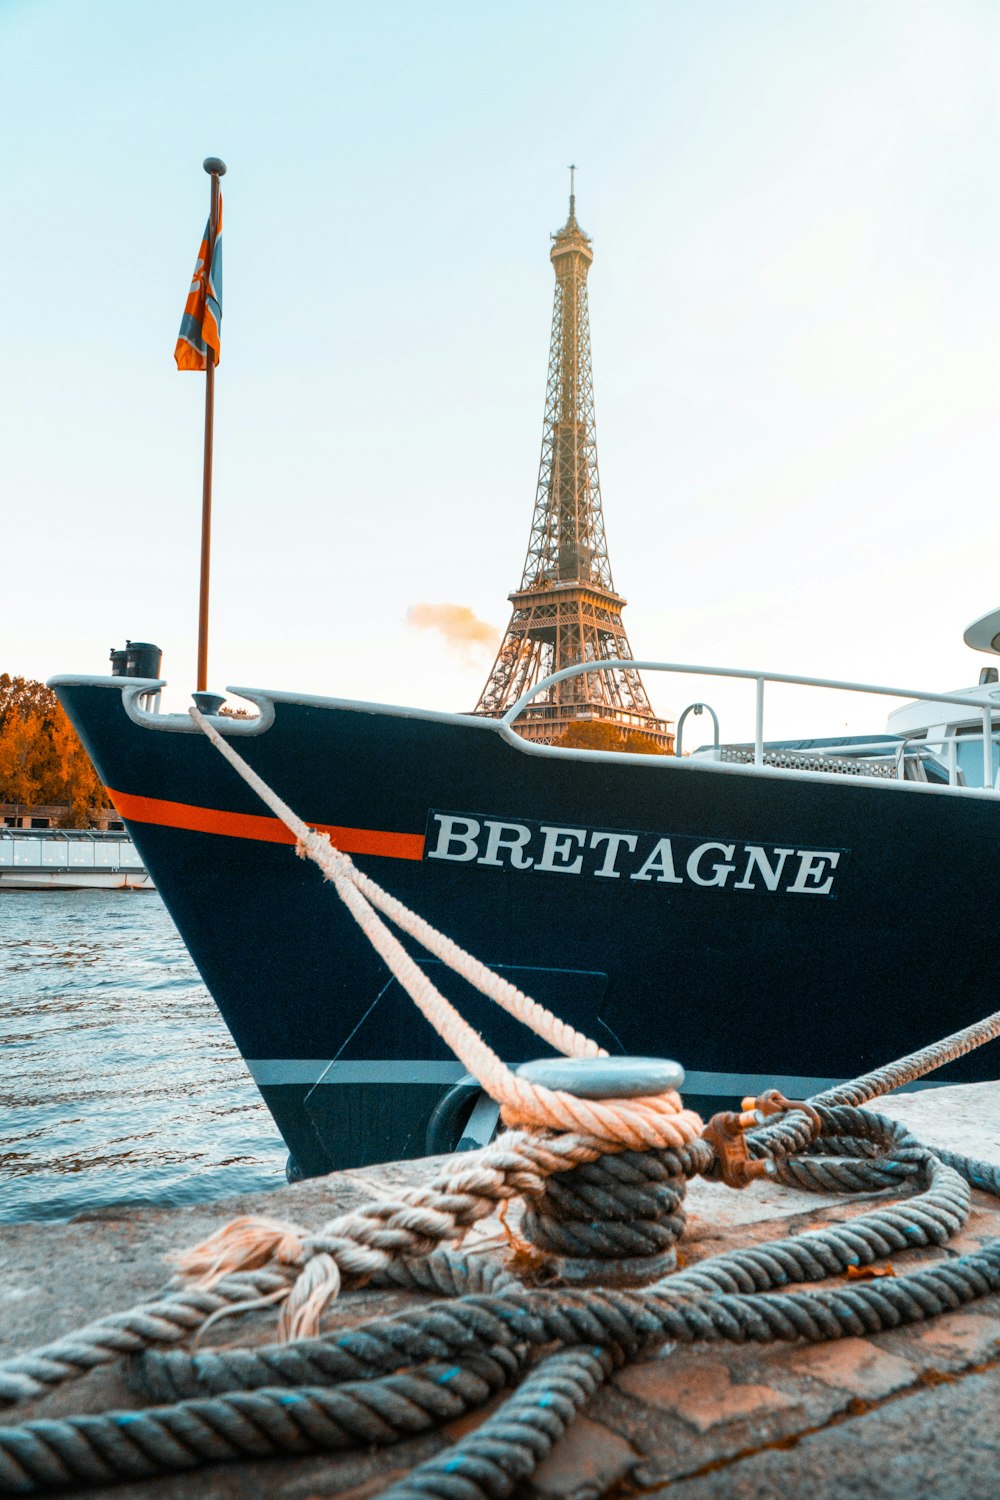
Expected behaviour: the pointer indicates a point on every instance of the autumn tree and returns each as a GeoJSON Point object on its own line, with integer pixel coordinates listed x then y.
{"type": "Point", "coordinates": [41, 758]}
{"type": "Point", "coordinates": [606, 734]}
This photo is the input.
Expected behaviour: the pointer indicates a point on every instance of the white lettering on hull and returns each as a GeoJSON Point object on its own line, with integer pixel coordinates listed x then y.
{"type": "Point", "coordinates": [522, 845]}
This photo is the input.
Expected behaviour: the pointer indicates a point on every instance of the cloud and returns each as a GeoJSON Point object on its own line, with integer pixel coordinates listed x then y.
{"type": "Point", "coordinates": [456, 623]}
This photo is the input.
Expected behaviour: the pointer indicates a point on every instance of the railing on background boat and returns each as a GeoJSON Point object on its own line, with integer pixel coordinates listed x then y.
{"type": "Point", "coordinates": [963, 700]}
{"type": "Point", "coordinates": [67, 850]}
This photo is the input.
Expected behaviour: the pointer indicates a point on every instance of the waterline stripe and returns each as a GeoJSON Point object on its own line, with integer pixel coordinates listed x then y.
{"type": "Point", "coordinates": [275, 1071]}
{"type": "Point", "coordinates": [265, 830]}
{"type": "Point", "coordinates": [738, 1085]}
{"type": "Point", "coordinates": [310, 1070]}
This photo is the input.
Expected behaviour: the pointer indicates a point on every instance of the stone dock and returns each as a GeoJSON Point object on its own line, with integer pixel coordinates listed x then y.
{"type": "Point", "coordinates": [914, 1412]}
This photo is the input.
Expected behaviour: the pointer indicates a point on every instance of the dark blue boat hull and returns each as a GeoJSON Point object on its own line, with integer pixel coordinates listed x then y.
{"type": "Point", "coordinates": [885, 943]}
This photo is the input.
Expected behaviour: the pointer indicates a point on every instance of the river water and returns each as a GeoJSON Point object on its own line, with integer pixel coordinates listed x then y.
{"type": "Point", "coordinates": [119, 1082]}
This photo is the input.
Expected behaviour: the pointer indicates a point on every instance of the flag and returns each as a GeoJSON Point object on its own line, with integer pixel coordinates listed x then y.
{"type": "Point", "coordinates": [203, 308]}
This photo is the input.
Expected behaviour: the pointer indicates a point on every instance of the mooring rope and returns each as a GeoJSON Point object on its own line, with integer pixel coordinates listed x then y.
{"type": "Point", "coordinates": [792, 1132]}
{"type": "Point", "coordinates": [627, 1124]}
{"type": "Point", "coordinates": [510, 1444]}
{"type": "Point", "coordinates": [166, 1319]}
{"type": "Point", "coordinates": [931, 1218]}
{"type": "Point", "coordinates": [598, 1179]}
{"type": "Point", "coordinates": [432, 1364]}
{"type": "Point", "coordinates": [585, 1129]}
{"type": "Point", "coordinates": [397, 1376]}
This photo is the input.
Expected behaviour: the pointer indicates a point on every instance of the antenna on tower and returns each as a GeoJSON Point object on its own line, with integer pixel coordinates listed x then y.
{"type": "Point", "coordinates": [572, 194]}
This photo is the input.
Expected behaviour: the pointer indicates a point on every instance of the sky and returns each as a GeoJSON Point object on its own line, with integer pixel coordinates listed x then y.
{"type": "Point", "coordinates": [795, 313]}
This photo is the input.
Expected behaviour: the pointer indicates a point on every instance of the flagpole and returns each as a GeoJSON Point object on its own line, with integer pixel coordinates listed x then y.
{"type": "Point", "coordinates": [216, 168]}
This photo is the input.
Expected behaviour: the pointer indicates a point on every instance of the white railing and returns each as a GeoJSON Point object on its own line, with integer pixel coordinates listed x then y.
{"type": "Point", "coordinates": [963, 700]}
{"type": "Point", "coordinates": [948, 745]}
{"type": "Point", "coordinates": [23, 851]}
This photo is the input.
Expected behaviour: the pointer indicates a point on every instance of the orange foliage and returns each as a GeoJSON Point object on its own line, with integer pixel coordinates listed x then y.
{"type": "Point", "coordinates": [604, 734]}
{"type": "Point", "coordinates": [41, 758]}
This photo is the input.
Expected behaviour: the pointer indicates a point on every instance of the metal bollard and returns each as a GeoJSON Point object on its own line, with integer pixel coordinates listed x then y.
{"type": "Point", "coordinates": [614, 1221]}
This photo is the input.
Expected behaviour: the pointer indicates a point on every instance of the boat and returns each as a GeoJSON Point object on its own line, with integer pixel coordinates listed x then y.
{"type": "Point", "coordinates": [769, 913]}
{"type": "Point", "coordinates": [70, 859]}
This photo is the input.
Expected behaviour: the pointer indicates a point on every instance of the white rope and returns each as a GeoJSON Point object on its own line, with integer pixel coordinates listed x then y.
{"type": "Point", "coordinates": [352, 1247]}
{"type": "Point", "coordinates": [655, 1121]}
{"type": "Point", "coordinates": [334, 862]}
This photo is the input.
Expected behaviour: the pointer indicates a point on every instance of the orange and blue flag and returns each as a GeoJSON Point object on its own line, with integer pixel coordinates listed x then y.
{"type": "Point", "coordinates": [203, 308]}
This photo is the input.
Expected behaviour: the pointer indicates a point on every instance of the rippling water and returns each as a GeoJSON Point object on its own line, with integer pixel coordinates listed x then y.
{"type": "Point", "coordinates": [118, 1080]}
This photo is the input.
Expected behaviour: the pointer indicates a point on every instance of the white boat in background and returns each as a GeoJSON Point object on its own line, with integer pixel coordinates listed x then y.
{"type": "Point", "coordinates": [70, 859]}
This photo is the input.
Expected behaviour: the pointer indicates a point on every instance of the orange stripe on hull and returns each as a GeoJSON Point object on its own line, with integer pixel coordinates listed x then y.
{"type": "Point", "coordinates": [264, 830]}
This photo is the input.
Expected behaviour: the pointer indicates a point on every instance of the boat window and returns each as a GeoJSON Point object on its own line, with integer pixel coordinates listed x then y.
{"type": "Point", "coordinates": [969, 749]}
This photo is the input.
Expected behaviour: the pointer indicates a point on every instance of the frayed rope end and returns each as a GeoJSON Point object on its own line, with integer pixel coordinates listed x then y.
{"type": "Point", "coordinates": [317, 1286]}
{"type": "Point", "coordinates": [245, 1244]}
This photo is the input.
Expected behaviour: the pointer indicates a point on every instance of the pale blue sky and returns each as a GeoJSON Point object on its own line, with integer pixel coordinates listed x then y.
{"type": "Point", "coordinates": [795, 210]}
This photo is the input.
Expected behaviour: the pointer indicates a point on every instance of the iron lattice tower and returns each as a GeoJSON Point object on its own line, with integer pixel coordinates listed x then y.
{"type": "Point", "coordinates": [566, 610]}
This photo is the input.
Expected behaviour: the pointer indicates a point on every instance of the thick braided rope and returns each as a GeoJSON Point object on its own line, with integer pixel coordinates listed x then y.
{"type": "Point", "coordinates": [543, 1022]}
{"type": "Point", "coordinates": [654, 1121]}
{"type": "Point", "coordinates": [52, 1455]}
{"type": "Point", "coordinates": [630, 1205]}
{"type": "Point", "coordinates": [172, 1374]}
{"type": "Point", "coordinates": [914, 1065]}
{"type": "Point", "coordinates": [792, 1133]}
{"type": "Point", "coordinates": [40, 1456]}
{"type": "Point", "coordinates": [261, 1258]}
{"type": "Point", "coordinates": [509, 1445]}
{"type": "Point", "coordinates": [930, 1218]}
{"type": "Point", "coordinates": [165, 1319]}
{"type": "Point", "coordinates": [475, 1191]}
{"type": "Point", "coordinates": [489, 1336]}
{"type": "Point", "coordinates": [687, 1306]}
{"type": "Point", "coordinates": [362, 1243]}
{"type": "Point", "coordinates": [824, 1174]}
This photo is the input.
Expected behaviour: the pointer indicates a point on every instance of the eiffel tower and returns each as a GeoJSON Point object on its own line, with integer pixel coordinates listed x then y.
{"type": "Point", "coordinates": [566, 609]}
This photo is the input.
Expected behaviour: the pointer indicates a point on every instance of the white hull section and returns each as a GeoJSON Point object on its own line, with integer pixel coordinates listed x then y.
{"type": "Point", "coordinates": [75, 880]}
{"type": "Point", "coordinates": [70, 859]}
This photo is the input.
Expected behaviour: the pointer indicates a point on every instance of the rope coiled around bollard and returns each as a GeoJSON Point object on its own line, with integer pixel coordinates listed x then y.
{"type": "Point", "coordinates": [616, 1207]}
{"type": "Point", "coordinates": [397, 1376]}
{"type": "Point", "coordinates": [932, 1217]}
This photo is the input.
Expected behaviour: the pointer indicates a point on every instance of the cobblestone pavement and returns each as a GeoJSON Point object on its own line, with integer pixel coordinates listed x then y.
{"type": "Point", "coordinates": [913, 1412]}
